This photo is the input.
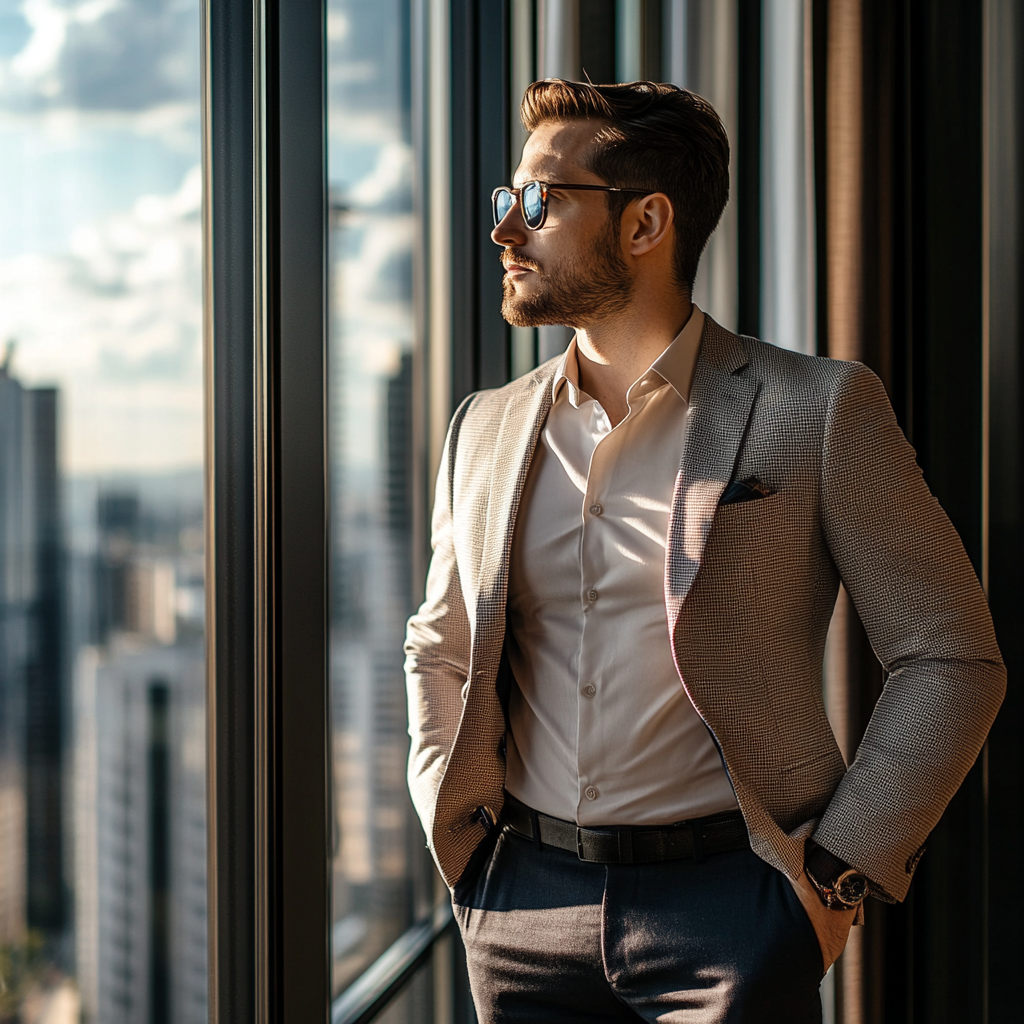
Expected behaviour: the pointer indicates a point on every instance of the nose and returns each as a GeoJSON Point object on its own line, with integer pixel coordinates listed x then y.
{"type": "Point", "coordinates": [510, 230]}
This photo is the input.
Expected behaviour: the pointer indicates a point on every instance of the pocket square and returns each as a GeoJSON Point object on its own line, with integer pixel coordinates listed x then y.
{"type": "Point", "coordinates": [745, 490]}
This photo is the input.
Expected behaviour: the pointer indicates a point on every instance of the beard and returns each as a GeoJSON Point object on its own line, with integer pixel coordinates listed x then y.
{"type": "Point", "coordinates": [582, 290]}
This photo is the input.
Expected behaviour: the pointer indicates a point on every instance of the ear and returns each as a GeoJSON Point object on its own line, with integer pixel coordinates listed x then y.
{"type": "Point", "coordinates": [647, 223]}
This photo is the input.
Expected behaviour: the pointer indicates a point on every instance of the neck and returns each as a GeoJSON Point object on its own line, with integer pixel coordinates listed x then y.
{"type": "Point", "coordinates": [612, 354]}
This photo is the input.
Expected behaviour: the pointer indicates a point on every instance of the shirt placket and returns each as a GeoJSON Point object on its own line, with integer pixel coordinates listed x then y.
{"type": "Point", "coordinates": [590, 681]}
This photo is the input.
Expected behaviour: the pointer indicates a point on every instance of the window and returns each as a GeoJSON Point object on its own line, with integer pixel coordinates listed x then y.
{"type": "Point", "coordinates": [102, 661]}
{"type": "Point", "coordinates": [382, 876]}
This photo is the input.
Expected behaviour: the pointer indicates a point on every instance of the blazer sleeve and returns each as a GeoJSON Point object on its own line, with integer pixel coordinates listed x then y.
{"type": "Point", "coordinates": [926, 616]}
{"type": "Point", "coordinates": [437, 647]}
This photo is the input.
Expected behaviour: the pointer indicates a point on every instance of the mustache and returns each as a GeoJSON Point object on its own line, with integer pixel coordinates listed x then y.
{"type": "Point", "coordinates": [509, 256]}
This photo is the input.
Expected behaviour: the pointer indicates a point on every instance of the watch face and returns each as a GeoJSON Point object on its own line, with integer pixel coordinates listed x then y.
{"type": "Point", "coordinates": [851, 888]}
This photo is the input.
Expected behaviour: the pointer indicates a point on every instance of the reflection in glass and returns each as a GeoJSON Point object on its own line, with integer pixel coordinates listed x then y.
{"type": "Point", "coordinates": [379, 854]}
{"type": "Point", "coordinates": [102, 680]}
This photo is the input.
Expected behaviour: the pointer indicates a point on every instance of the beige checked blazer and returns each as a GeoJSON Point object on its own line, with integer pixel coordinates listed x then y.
{"type": "Point", "coordinates": [749, 592]}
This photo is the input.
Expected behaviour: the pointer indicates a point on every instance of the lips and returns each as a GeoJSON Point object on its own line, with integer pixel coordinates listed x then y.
{"type": "Point", "coordinates": [516, 264]}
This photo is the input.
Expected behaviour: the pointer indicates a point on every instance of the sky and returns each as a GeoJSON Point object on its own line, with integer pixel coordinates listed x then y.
{"type": "Point", "coordinates": [100, 223]}
{"type": "Point", "coordinates": [370, 166]}
{"type": "Point", "coordinates": [100, 220]}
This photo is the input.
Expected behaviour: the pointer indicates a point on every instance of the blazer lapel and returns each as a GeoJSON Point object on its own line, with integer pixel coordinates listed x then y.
{"type": "Point", "coordinates": [721, 402]}
{"type": "Point", "coordinates": [513, 452]}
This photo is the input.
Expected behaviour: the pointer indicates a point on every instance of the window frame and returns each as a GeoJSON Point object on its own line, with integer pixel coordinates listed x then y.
{"type": "Point", "coordinates": [264, 160]}
{"type": "Point", "coordinates": [265, 352]}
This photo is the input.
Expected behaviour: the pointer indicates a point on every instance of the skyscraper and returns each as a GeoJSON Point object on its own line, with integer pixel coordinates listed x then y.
{"type": "Point", "coordinates": [139, 779]}
{"type": "Point", "coordinates": [32, 691]}
{"type": "Point", "coordinates": [16, 591]}
{"type": "Point", "coordinates": [46, 681]}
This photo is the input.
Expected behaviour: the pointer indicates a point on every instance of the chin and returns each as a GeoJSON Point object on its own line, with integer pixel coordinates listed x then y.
{"type": "Point", "coordinates": [518, 315]}
{"type": "Point", "coordinates": [537, 310]}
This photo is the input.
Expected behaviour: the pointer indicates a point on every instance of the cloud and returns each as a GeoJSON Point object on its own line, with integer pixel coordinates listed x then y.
{"type": "Point", "coordinates": [366, 54]}
{"type": "Point", "coordinates": [14, 29]}
{"type": "Point", "coordinates": [117, 324]}
{"type": "Point", "coordinates": [389, 184]}
{"type": "Point", "coordinates": [373, 324]}
{"type": "Point", "coordinates": [103, 55]}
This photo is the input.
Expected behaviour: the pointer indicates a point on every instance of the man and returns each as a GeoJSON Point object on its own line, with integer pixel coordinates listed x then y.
{"type": "Point", "coordinates": [620, 753]}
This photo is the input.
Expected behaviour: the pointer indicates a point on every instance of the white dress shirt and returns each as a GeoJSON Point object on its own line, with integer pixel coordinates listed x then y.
{"type": "Point", "coordinates": [601, 729]}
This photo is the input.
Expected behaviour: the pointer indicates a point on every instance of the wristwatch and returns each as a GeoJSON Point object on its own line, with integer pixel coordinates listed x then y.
{"type": "Point", "coordinates": [839, 886]}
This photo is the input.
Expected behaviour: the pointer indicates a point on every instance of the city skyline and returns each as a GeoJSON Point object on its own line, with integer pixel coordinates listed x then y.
{"type": "Point", "coordinates": [102, 735]}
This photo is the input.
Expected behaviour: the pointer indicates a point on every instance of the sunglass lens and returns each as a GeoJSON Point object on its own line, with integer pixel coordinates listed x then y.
{"type": "Point", "coordinates": [533, 205]}
{"type": "Point", "coordinates": [502, 204]}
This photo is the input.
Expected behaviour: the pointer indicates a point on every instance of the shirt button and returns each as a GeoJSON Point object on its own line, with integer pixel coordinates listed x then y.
{"type": "Point", "coordinates": [589, 690]}
{"type": "Point", "coordinates": [591, 793]}
{"type": "Point", "coordinates": [592, 594]}
{"type": "Point", "coordinates": [596, 509]}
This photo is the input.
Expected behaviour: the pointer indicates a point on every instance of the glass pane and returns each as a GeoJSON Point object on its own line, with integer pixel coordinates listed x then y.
{"type": "Point", "coordinates": [380, 867]}
{"type": "Point", "coordinates": [415, 1002]}
{"type": "Point", "coordinates": [102, 678]}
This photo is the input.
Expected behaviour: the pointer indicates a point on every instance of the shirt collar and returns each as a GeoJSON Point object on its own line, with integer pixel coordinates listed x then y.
{"type": "Point", "coordinates": [676, 365]}
{"type": "Point", "coordinates": [567, 375]}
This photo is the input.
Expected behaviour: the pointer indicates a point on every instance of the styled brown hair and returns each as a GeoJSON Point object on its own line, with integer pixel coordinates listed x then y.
{"type": "Point", "coordinates": [655, 136]}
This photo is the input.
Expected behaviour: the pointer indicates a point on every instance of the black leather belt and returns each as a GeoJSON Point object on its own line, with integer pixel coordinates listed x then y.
{"type": "Point", "coordinates": [686, 840]}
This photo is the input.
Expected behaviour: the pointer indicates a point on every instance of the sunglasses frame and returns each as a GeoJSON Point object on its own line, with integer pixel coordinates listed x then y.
{"type": "Point", "coordinates": [516, 194]}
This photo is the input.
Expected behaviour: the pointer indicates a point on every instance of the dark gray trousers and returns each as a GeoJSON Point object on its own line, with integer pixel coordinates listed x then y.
{"type": "Point", "coordinates": [551, 938]}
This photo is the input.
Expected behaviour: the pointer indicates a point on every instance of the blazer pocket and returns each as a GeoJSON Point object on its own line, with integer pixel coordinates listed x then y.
{"type": "Point", "coordinates": [754, 507]}
{"type": "Point", "coordinates": [749, 489]}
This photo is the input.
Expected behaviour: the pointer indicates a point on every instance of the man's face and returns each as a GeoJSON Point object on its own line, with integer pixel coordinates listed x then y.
{"type": "Point", "coordinates": [572, 270]}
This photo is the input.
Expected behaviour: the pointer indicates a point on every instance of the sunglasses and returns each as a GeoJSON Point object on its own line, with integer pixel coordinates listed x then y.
{"type": "Point", "coordinates": [533, 200]}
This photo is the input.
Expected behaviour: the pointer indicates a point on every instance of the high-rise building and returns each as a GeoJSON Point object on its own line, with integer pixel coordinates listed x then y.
{"type": "Point", "coordinates": [16, 591]}
{"type": "Point", "coordinates": [46, 680]}
{"type": "Point", "coordinates": [139, 789]}
{"type": "Point", "coordinates": [32, 691]}
{"type": "Point", "coordinates": [372, 597]}
{"type": "Point", "coordinates": [141, 834]}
